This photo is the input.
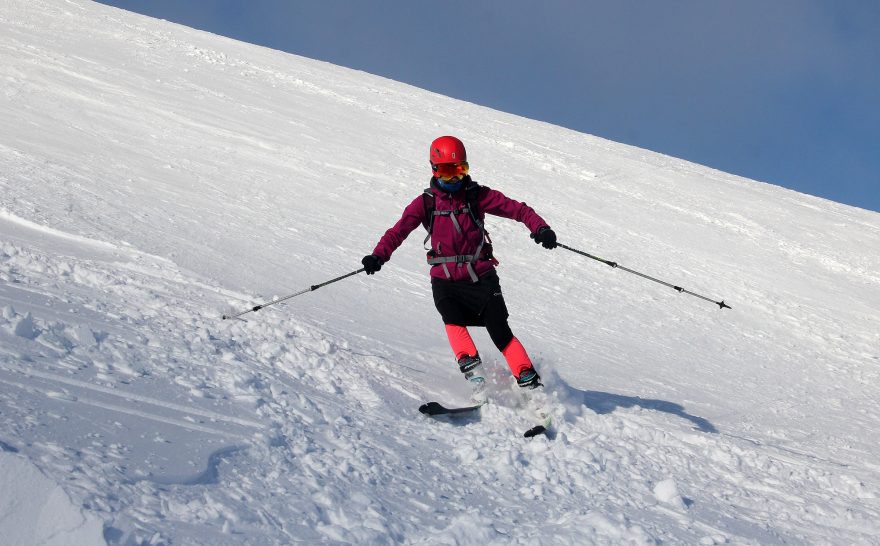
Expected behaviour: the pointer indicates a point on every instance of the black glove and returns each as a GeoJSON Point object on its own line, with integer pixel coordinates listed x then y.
{"type": "Point", "coordinates": [372, 264]}
{"type": "Point", "coordinates": [546, 237]}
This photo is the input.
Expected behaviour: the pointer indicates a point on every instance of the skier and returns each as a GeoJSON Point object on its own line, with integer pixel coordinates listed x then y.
{"type": "Point", "coordinates": [464, 282]}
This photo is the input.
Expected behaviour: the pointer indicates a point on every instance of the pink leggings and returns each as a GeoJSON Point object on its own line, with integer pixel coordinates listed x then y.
{"type": "Point", "coordinates": [462, 345]}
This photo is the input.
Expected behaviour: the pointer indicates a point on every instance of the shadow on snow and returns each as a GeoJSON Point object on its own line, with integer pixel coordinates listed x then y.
{"type": "Point", "coordinates": [605, 402]}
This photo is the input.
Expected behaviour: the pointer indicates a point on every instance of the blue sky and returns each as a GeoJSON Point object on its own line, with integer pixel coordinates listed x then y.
{"type": "Point", "coordinates": [782, 91]}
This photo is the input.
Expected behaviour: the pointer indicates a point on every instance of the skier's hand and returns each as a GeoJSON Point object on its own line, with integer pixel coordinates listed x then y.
{"type": "Point", "coordinates": [372, 264]}
{"type": "Point", "coordinates": [546, 237]}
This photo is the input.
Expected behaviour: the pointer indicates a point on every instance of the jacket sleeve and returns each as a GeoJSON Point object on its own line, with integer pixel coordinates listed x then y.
{"type": "Point", "coordinates": [495, 202]}
{"type": "Point", "coordinates": [413, 215]}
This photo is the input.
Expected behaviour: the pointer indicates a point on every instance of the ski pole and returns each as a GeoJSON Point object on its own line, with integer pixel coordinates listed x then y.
{"type": "Point", "coordinates": [615, 265]}
{"type": "Point", "coordinates": [309, 289]}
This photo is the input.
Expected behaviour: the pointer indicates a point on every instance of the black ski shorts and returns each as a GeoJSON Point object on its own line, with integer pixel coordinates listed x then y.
{"type": "Point", "coordinates": [478, 303]}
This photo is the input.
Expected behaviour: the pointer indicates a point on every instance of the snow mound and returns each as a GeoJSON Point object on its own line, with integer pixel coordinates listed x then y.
{"type": "Point", "coordinates": [35, 510]}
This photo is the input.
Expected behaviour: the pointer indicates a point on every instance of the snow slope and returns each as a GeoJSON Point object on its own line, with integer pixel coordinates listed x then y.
{"type": "Point", "coordinates": [155, 177]}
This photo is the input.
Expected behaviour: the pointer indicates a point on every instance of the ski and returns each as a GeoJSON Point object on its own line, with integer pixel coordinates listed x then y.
{"type": "Point", "coordinates": [435, 408]}
{"type": "Point", "coordinates": [534, 431]}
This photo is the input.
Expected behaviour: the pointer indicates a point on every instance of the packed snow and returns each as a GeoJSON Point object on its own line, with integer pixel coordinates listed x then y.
{"type": "Point", "coordinates": [155, 178]}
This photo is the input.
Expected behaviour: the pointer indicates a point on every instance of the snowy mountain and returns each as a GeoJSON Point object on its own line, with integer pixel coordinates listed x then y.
{"type": "Point", "coordinates": [155, 177]}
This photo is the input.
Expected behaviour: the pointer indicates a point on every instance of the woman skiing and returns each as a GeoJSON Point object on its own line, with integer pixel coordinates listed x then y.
{"type": "Point", "coordinates": [463, 278]}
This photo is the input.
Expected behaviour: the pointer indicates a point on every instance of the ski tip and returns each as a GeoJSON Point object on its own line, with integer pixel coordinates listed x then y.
{"type": "Point", "coordinates": [534, 431]}
{"type": "Point", "coordinates": [435, 408]}
{"type": "Point", "coordinates": [432, 408]}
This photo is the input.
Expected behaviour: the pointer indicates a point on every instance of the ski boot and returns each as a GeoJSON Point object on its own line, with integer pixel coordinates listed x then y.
{"type": "Point", "coordinates": [471, 367]}
{"type": "Point", "coordinates": [529, 379]}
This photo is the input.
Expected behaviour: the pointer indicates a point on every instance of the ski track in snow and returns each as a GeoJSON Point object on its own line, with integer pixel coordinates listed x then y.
{"type": "Point", "coordinates": [155, 178]}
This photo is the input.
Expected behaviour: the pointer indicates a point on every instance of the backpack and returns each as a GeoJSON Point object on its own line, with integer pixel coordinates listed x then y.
{"type": "Point", "coordinates": [484, 251]}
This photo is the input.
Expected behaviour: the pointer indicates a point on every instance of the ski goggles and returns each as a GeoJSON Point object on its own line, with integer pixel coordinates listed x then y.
{"type": "Point", "coordinates": [448, 171]}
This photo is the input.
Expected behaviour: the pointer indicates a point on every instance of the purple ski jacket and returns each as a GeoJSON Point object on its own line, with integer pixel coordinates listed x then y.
{"type": "Point", "coordinates": [446, 239]}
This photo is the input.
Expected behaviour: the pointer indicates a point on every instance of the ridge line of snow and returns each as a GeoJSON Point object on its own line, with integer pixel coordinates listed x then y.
{"type": "Point", "coordinates": [15, 219]}
{"type": "Point", "coordinates": [136, 397]}
{"type": "Point", "coordinates": [127, 411]}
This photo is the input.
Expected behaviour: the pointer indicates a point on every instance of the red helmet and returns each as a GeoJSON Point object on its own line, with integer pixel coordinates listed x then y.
{"type": "Point", "coordinates": [447, 149]}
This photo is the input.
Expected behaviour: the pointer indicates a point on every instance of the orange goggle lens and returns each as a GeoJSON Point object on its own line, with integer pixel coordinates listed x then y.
{"type": "Point", "coordinates": [448, 171]}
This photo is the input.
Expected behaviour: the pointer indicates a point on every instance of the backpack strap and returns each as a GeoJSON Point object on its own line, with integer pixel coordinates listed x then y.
{"type": "Point", "coordinates": [429, 206]}
{"type": "Point", "coordinates": [431, 212]}
{"type": "Point", "coordinates": [472, 198]}
{"type": "Point", "coordinates": [428, 203]}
